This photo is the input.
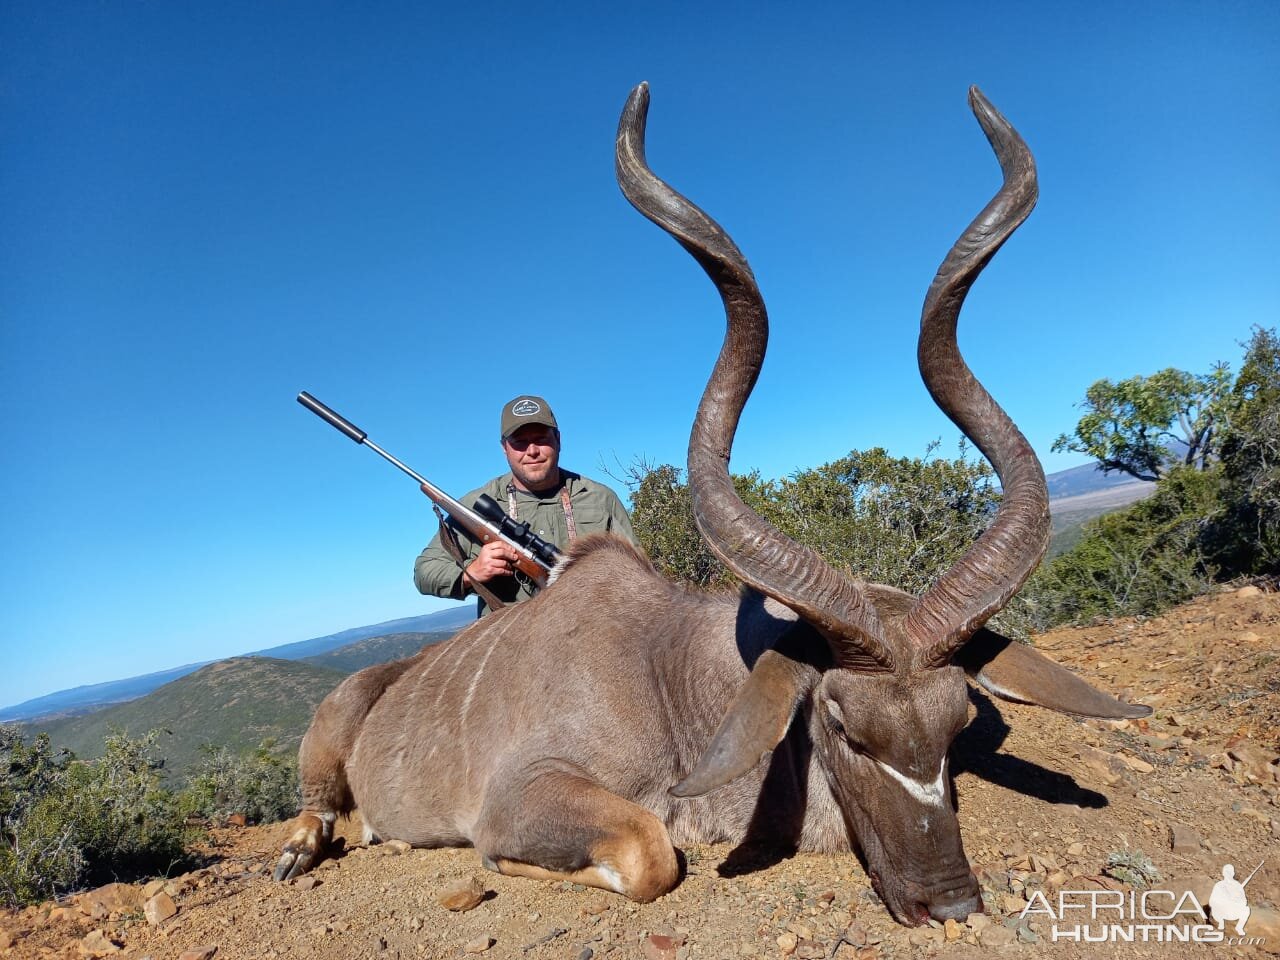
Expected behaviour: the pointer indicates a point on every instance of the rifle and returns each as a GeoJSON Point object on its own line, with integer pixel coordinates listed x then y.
{"type": "Point", "coordinates": [487, 522]}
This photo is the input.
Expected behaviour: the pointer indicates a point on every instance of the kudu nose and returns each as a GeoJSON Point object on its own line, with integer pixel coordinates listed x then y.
{"type": "Point", "coordinates": [956, 903]}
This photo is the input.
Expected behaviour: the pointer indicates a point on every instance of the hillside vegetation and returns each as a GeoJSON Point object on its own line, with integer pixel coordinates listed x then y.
{"type": "Point", "coordinates": [234, 703]}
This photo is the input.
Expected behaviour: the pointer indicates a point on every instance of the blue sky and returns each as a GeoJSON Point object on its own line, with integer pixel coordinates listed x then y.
{"type": "Point", "coordinates": [409, 210]}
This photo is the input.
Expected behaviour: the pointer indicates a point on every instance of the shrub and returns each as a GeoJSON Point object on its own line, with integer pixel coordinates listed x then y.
{"type": "Point", "coordinates": [69, 823]}
{"type": "Point", "coordinates": [1132, 867]}
{"type": "Point", "coordinates": [260, 784]}
{"type": "Point", "coordinates": [35, 860]}
{"type": "Point", "coordinates": [1245, 537]}
{"type": "Point", "coordinates": [900, 521]}
{"type": "Point", "coordinates": [1140, 560]}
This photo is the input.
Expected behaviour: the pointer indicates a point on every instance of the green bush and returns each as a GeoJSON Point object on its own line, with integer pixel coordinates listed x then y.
{"type": "Point", "coordinates": [67, 823]}
{"type": "Point", "coordinates": [1140, 560]}
{"type": "Point", "coordinates": [260, 784]}
{"type": "Point", "coordinates": [895, 520]}
{"type": "Point", "coordinates": [1244, 539]}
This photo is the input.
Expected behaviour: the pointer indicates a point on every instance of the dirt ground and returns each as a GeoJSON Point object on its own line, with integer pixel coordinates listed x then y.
{"type": "Point", "coordinates": [1044, 803]}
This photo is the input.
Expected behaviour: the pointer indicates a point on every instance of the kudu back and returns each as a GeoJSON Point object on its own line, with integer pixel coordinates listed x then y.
{"type": "Point", "coordinates": [582, 734]}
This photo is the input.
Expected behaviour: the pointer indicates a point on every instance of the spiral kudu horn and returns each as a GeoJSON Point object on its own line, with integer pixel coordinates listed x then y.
{"type": "Point", "coordinates": [756, 551]}
{"type": "Point", "coordinates": [999, 562]}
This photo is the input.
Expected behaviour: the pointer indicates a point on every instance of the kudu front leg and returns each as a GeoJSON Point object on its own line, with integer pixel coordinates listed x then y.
{"type": "Point", "coordinates": [552, 821]}
{"type": "Point", "coordinates": [322, 772]}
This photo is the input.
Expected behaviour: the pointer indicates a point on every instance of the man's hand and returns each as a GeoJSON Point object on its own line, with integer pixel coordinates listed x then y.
{"type": "Point", "coordinates": [496, 559]}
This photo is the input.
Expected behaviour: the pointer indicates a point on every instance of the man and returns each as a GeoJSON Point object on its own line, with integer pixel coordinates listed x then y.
{"type": "Point", "coordinates": [558, 504]}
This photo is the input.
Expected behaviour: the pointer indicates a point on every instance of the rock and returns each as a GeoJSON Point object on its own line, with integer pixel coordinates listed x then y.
{"type": "Point", "coordinates": [976, 921]}
{"type": "Point", "coordinates": [856, 935]}
{"type": "Point", "coordinates": [586, 953]}
{"type": "Point", "coordinates": [306, 882]}
{"type": "Point", "coordinates": [463, 895]}
{"type": "Point", "coordinates": [397, 847]}
{"type": "Point", "coordinates": [479, 944]}
{"type": "Point", "coordinates": [996, 936]}
{"type": "Point", "coordinates": [1182, 839]}
{"type": "Point", "coordinates": [811, 950]}
{"type": "Point", "coordinates": [1012, 903]}
{"type": "Point", "coordinates": [953, 930]}
{"type": "Point", "coordinates": [657, 946]}
{"type": "Point", "coordinates": [1249, 591]}
{"type": "Point", "coordinates": [152, 888]}
{"type": "Point", "coordinates": [787, 943]}
{"type": "Point", "coordinates": [1045, 863]}
{"type": "Point", "coordinates": [123, 897]}
{"type": "Point", "coordinates": [920, 936]}
{"type": "Point", "coordinates": [59, 914]}
{"type": "Point", "coordinates": [97, 944]}
{"type": "Point", "coordinates": [1075, 849]}
{"type": "Point", "coordinates": [596, 907]}
{"type": "Point", "coordinates": [199, 953]}
{"type": "Point", "coordinates": [6, 939]}
{"type": "Point", "coordinates": [237, 820]}
{"type": "Point", "coordinates": [1264, 922]}
{"type": "Point", "coordinates": [1257, 761]}
{"type": "Point", "coordinates": [800, 930]}
{"type": "Point", "coordinates": [159, 908]}
{"type": "Point", "coordinates": [1133, 763]}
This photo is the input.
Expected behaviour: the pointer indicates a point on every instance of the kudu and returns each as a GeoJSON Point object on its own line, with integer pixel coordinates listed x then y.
{"type": "Point", "coordinates": [549, 734]}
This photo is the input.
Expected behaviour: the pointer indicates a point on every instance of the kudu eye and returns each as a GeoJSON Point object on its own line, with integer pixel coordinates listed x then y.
{"type": "Point", "coordinates": [835, 720]}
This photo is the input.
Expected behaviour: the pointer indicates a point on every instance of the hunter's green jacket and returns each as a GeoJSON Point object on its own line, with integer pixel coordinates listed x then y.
{"type": "Point", "coordinates": [595, 507]}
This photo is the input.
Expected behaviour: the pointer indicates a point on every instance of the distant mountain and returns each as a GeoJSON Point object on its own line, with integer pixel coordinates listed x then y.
{"type": "Point", "coordinates": [82, 700]}
{"type": "Point", "coordinates": [1079, 494]}
{"type": "Point", "coordinates": [442, 621]}
{"type": "Point", "coordinates": [365, 653]}
{"type": "Point", "coordinates": [235, 703]}
{"type": "Point", "coordinates": [78, 700]}
{"type": "Point", "coordinates": [1087, 478]}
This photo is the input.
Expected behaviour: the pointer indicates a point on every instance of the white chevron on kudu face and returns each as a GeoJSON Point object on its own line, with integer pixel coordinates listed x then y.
{"type": "Point", "coordinates": [931, 793]}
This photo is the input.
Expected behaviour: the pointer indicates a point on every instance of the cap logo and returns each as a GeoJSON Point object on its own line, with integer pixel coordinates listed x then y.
{"type": "Point", "coordinates": [525, 408]}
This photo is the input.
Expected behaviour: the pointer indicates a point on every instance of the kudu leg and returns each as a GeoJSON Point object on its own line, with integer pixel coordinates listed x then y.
{"type": "Point", "coordinates": [322, 774]}
{"type": "Point", "coordinates": [554, 822]}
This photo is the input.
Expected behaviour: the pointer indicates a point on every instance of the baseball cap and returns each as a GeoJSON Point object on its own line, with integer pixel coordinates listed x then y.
{"type": "Point", "coordinates": [524, 410]}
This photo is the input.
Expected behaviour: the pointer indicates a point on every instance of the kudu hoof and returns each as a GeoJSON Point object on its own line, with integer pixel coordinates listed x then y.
{"type": "Point", "coordinates": [303, 847]}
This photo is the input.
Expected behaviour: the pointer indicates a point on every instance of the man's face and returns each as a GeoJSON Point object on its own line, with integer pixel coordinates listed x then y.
{"type": "Point", "coordinates": [533, 453]}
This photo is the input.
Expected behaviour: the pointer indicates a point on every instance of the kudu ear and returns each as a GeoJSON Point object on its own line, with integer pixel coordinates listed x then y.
{"type": "Point", "coordinates": [755, 723]}
{"type": "Point", "coordinates": [1018, 673]}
